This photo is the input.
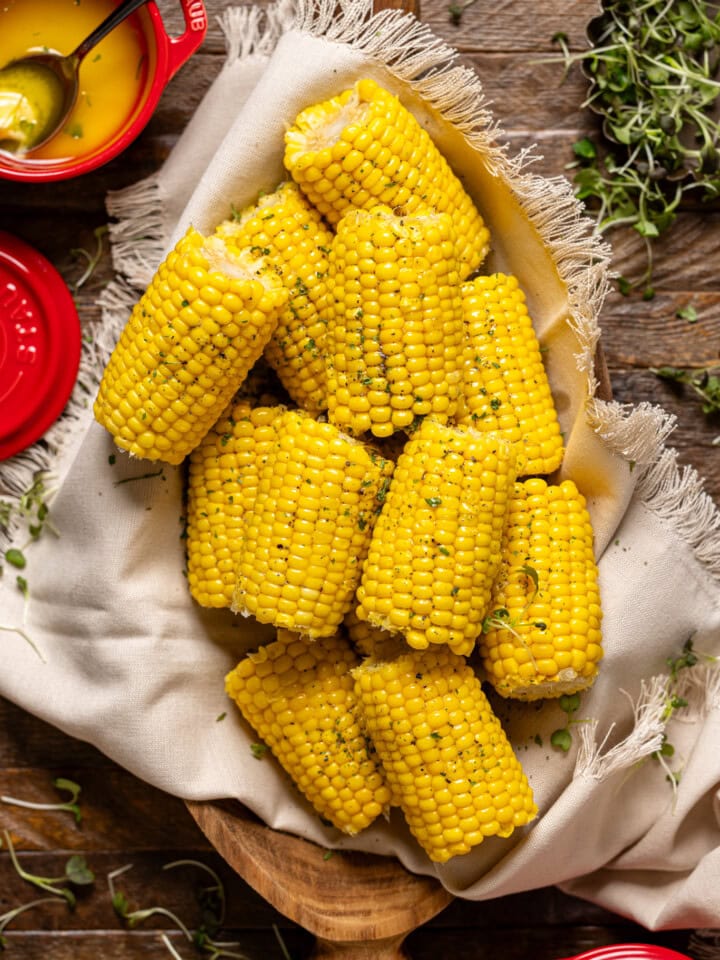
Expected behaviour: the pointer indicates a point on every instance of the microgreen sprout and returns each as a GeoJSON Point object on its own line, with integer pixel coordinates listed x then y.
{"type": "Point", "coordinates": [456, 10]}
{"type": "Point", "coordinates": [7, 918]}
{"type": "Point", "coordinates": [652, 80]}
{"type": "Point", "coordinates": [76, 873]}
{"type": "Point", "coordinates": [500, 618]}
{"type": "Point", "coordinates": [687, 659]}
{"type": "Point", "coordinates": [281, 942]}
{"type": "Point", "coordinates": [562, 738]}
{"type": "Point", "coordinates": [60, 783]}
{"type": "Point", "coordinates": [92, 259]}
{"type": "Point", "coordinates": [212, 902]}
{"type": "Point", "coordinates": [703, 380]}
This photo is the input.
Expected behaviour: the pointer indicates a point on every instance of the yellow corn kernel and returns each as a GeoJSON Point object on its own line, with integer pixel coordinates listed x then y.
{"type": "Point", "coordinates": [447, 760]}
{"type": "Point", "coordinates": [506, 388]}
{"type": "Point", "coordinates": [435, 549]}
{"type": "Point", "coordinates": [364, 147]}
{"type": "Point", "coordinates": [284, 228]}
{"type": "Point", "coordinates": [395, 336]}
{"type": "Point", "coordinates": [186, 348]}
{"type": "Point", "coordinates": [307, 532]}
{"type": "Point", "coordinates": [222, 481]}
{"type": "Point", "coordinates": [299, 697]}
{"type": "Point", "coordinates": [542, 637]}
{"type": "Point", "coordinates": [370, 641]}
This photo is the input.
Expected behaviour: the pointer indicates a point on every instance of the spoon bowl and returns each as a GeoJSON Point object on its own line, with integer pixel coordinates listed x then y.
{"type": "Point", "coordinates": [55, 80]}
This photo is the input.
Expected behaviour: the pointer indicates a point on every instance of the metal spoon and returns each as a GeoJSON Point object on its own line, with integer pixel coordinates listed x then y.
{"type": "Point", "coordinates": [61, 72]}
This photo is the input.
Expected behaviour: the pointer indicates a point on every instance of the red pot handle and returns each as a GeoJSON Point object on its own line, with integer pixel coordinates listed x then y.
{"type": "Point", "coordinates": [183, 47]}
{"type": "Point", "coordinates": [630, 951]}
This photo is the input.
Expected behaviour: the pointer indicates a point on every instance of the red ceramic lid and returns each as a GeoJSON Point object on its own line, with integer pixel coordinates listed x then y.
{"type": "Point", "coordinates": [39, 345]}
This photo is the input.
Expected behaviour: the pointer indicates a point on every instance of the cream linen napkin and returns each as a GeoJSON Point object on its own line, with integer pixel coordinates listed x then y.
{"type": "Point", "coordinates": [124, 659]}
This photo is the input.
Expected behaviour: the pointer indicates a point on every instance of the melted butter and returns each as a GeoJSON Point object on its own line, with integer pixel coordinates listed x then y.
{"type": "Point", "coordinates": [30, 100]}
{"type": "Point", "coordinates": [112, 76]}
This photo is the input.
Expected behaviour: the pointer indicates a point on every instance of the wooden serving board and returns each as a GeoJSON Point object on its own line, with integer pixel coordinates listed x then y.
{"type": "Point", "coordinates": [358, 906]}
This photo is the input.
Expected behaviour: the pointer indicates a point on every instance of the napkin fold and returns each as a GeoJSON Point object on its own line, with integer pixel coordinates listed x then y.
{"type": "Point", "coordinates": [111, 649]}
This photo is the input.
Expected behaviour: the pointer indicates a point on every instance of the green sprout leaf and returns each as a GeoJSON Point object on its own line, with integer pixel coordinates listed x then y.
{"type": "Point", "coordinates": [652, 75]}
{"type": "Point", "coordinates": [78, 872]}
{"type": "Point", "coordinates": [16, 558]}
{"type": "Point", "coordinates": [561, 739]}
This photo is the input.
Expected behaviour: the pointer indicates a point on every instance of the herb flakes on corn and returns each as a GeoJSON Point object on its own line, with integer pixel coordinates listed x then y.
{"type": "Point", "coordinates": [299, 697]}
{"type": "Point", "coordinates": [435, 549]}
{"type": "Point", "coordinates": [288, 231]}
{"type": "Point", "coordinates": [188, 345]}
{"type": "Point", "coordinates": [395, 335]}
{"type": "Point", "coordinates": [505, 388]}
{"type": "Point", "coordinates": [542, 638]}
{"type": "Point", "coordinates": [307, 532]}
{"type": "Point", "coordinates": [447, 760]}
{"type": "Point", "coordinates": [222, 481]}
{"type": "Point", "coordinates": [364, 147]}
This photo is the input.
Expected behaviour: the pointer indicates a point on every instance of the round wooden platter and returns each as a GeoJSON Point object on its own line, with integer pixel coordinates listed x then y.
{"type": "Point", "coordinates": [358, 906]}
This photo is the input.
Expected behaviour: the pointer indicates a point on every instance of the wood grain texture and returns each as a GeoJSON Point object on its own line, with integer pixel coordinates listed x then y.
{"type": "Point", "coordinates": [127, 821]}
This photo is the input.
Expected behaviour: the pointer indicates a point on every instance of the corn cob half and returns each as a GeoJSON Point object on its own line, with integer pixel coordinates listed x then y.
{"type": "Point", "coordinates": [435, 549]}
{"type": "Point", "coordinates": [186, 348]}
{"type": "Point", "coordinates": [307, 532]}
{"type": "Point", "coordinates": [395, 326]}
{"type": "Point", "coordinates": [446, 757]}
{"type": "Point", "coordinates": [283, 227]}
{"type": "Point", "coordinates": [222, 482]}
{"type": "Point", "coordinates": [506, 389]}
{"type": "Point", "coordinates": [542, 637]}
{"type": "Point", "coordinates": [364, 147]}
{"type": "Point", "coordinates": [299, 697]}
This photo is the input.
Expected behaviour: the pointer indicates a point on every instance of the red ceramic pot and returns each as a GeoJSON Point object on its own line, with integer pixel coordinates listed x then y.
{"type": "Point", "coordinates": [164, 57]}
{"type": "Point", "coordinates": [630, 951]}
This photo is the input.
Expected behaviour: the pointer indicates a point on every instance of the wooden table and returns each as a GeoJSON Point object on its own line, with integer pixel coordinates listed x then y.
{"type": "Point", "coordinates": [125, 820]}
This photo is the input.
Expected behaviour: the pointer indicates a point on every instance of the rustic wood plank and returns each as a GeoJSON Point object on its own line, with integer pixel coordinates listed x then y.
{"type": "Point", "coordinates": [142, 945]}
{"type": "Point", "coordinates": [119, 812]}
{"type": "Point", "coordinates": [26, 741]}
{"type": "Point", "coordinates": [520, 942]}
{"type": "Point", "coordinates": [505, 25]}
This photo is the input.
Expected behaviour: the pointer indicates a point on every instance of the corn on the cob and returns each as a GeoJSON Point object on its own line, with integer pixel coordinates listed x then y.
{"type": "Point", "coordinates": [289, 232]}
{"type": "Point", "coordinates": [395, 333]}
{"type": "Point", "coordinates": [542, 638]}
{"type": "Point", "coordinates": [307, 532]}
{"type": "Point", "coordinates": [435, 549]}
{"type": "Point", "coordinates": [364, 147]}
{"type": "Point", "coordinates": [506, 389]}
{"type": "Point", "coordinates": [222, 481]}
{"type": "Point", "coordinates": [446, 757]}
{"type": "Point", "coordinates": [299, 697]}
{"type": "Point", "coordinates": [188, 345]}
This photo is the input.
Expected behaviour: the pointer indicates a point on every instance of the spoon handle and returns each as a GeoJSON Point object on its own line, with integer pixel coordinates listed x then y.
{"type": "Point", "coordinates": [109, 23]}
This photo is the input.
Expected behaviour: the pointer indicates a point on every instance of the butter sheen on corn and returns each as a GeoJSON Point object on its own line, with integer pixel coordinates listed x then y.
{"type": "Point", "coordinates": [222, 482]}
{"type": "Point", "coordinates": [542, 638]}
{"type": "Point", "coordinates": [395, 332]}
{"type": "Point", "coordinates": [300, 699]}
{"type": "Point", "coordinates": [505, 385]}
{"type": "Point", "coordinates": [435, 548]}
{"type": "Point", "coordinates": [364, 147]}
{"type": "Point", "coordinates": [288, 231]}
{"type": "Point", "coordinates": [189, 343]}
{"type": "Point", "coordinates": [306, 534]}
{"type": "Point", "coordinates": [447, 759]}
